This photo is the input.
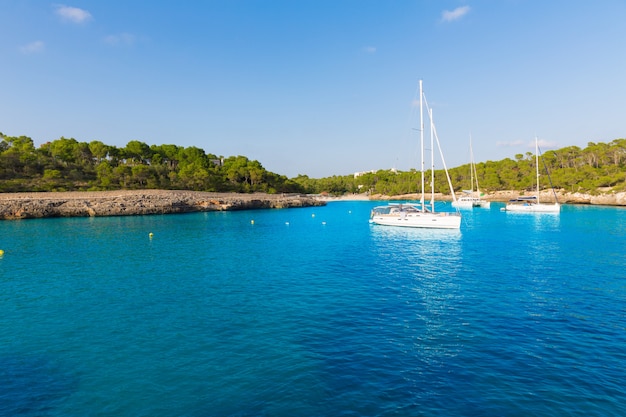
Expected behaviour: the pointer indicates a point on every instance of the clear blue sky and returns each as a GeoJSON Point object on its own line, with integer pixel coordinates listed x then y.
{"type": "Point", "coordinates": [315, 87]}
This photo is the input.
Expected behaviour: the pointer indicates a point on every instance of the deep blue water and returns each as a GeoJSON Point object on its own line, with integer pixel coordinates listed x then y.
{"type": "Point", "coordinates": [314, 312]}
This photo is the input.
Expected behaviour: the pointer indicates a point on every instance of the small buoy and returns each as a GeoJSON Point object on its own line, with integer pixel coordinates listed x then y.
{"type": "Point", "coordinates": [251, 221]}
{"type": "Point", "coordinates": [324, 223]}
{"type": "Point", "coordinates": [1, 252]}
{"type": "Point", "coordinates": [287, 223]}
{"type": "Point", "coordinates": [313, 215]}
{"type": "Point", "coordinates": [151, 235]}
{"type": "Point", "coordinates": [349, 211]}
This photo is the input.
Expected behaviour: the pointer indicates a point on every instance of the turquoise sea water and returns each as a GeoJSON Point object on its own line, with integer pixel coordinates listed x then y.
{"type": "Point", "coordinates": [314, 312]}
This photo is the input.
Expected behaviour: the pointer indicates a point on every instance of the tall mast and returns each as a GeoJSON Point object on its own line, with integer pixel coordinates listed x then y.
{"type": "Point", "coordinates": [432, 160]}
{"type": "Point", "coordinates": [537, 166]}
{"type": "Point", "coordinates": [422, 140]}
{"type": "Point", "coordinates": [472, 168]}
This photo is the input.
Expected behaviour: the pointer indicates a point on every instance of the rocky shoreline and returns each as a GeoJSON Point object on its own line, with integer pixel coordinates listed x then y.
{"type": "Point", "coordinates": [139, 202]}
{"type": "Point", "coordinates": [15, 206]}
{"type": "Point", "coordinates": [602, 199]}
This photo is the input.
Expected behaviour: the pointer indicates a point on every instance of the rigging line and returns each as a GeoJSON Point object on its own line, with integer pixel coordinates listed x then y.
{"type": "Point", "coordinates": [548, 172]}
{"type": "Point", "coordinates": [445, 168]}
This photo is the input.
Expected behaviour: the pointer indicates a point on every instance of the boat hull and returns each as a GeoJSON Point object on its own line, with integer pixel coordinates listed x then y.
{"type": "Point", "coordinates": [464, 204]}
{"type": "Point", "coordinates": [533, 208]}
{"type": "Point", "coordinates": [420, 220]}
{"type": "Point", "coordinates": [469, 203]}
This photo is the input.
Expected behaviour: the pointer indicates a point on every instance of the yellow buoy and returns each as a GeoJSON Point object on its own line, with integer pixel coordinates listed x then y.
{"type": "Point", "coordinates": [251, 221]}
{"type": "Point", "coordinates": [151, 234]}
{"type": "Point", "coordinates": [1, 252]}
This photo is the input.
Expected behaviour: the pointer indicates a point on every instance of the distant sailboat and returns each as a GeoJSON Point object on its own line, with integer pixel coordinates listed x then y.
{"type": "Point", "coordinates": [471, 198]}
{"type": "Point", "coordinates": [420, 215]}
{"type": "Point", "coordinates": [531, 204]}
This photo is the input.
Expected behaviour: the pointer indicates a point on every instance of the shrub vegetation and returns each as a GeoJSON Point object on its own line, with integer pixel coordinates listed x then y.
{"type": "Point", "coordinates": [66, 164]}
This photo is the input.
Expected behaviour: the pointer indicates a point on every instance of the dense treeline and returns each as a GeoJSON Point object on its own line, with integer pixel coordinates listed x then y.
{"type": "Point", "coordinates": [598, 167]}
{"type": "Point", "coordinates": [66, 164]}
{"type": "Point", "coordinates": [69, 165]}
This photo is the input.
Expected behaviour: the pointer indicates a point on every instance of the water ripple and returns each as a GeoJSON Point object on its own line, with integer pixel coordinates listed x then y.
{"type": "Point", "coordinates": [313, 312]}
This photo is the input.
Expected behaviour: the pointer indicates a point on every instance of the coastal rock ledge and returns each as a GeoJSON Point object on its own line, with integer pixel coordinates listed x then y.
{"type": "Point", "coordinates": [138, 202]}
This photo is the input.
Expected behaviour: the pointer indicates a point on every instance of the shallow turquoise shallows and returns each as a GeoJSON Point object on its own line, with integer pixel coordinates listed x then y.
{"type": "Point", "coordinates": [314, 312]}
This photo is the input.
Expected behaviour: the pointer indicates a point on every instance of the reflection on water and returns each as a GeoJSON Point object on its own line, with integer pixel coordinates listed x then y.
{"type": "Point", "coordinates": [428, 250]}
{"type": "Point", "coordinates": [431, 263]}
{"type": "Point", "coordinates": [539, 221]}
{"type": "Point", "coordinates": [402, 234]}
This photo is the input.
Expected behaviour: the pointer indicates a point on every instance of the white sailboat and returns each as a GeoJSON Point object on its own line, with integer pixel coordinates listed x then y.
{"type": "Point", "coordinates": [531, 204]}
{"type": "Point", "coordinates": [420, 215]}
{"type": "Point", "coordinates": [471, 198]}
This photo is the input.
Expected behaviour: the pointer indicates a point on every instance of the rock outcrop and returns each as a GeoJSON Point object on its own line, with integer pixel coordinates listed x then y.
{"type": "Point", "coordinates": [138, 202]}
{"type": "Point", "coordinates": [546, 196]}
